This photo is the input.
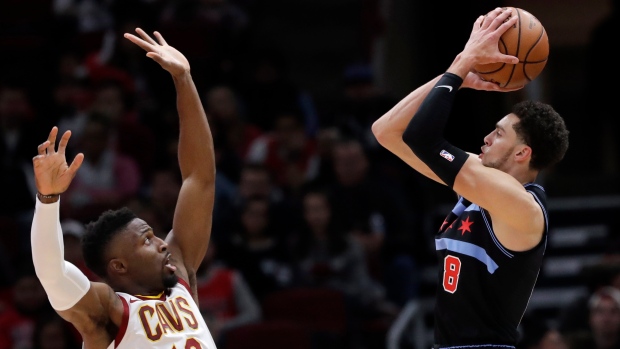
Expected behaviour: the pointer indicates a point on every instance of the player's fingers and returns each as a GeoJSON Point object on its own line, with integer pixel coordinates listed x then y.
{"type": "Point", "coordinates": [52, 140]}
{"type": "Point", "coordinates": [479, 21]}
{"type": "Point", "coordinates": [63, 142]}
{"type": "Point", "coordinates": [41, 148]}
{"type": "Point", "coordinates": [75, 164]}
{"type": "Point", "coordinates": [508, 23]}
{"type": "Point", "coordinates": [156, 57]}
{"type": "Point", "coordinates": [160, 38]}
{"type": "Point", "coordinates": [490, 17]}
{"type": "Point", "coordinates": [502, 18]}
{"type": "Point", "coordinates": [146, 37]}
{"type": "Point", "coordinates": [508, 59]}
{"type": "Point", "coordinates": [143, 44]}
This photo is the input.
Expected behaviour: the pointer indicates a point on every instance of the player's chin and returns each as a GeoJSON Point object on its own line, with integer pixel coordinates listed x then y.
{"type": "Point", "coordinates": [170, 280]}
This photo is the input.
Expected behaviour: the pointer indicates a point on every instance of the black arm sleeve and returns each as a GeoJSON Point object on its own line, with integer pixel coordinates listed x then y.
{"type": "Point", "coordinates": [424, 134]}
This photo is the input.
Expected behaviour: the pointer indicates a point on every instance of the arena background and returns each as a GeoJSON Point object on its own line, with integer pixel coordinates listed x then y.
{"type": "Point", "coordinates": [336, 66]}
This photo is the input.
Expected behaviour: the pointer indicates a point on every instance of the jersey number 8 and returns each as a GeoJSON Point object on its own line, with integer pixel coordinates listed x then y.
{"type": "Point", "coordinates": [451, 271]}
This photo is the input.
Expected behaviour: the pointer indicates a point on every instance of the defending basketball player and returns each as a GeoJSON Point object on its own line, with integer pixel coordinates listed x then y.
{"type": "Point", "coordinates": [491, 245]}
{"type": "Point", "coordinates": [149, 297]}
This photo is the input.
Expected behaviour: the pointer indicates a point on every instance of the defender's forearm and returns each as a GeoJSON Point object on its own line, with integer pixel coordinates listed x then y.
{"type": "Point", "coordinates": [196, 154]}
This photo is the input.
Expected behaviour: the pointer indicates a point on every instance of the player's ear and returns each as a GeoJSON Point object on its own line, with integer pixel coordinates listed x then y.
{"type": "Point", "coordinates": [117, 266]}
{"type": "Point", "coordinates": [524, 153]}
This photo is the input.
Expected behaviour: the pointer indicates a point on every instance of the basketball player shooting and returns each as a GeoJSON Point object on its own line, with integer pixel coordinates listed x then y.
{"type": "Point", "coordinates": [149, 297]}
{"type": "Point", "coordinates": [491, 244]}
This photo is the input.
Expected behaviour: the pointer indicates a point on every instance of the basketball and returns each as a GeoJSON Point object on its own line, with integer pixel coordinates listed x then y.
{"type": "Point", "coordinates": [528, 41]}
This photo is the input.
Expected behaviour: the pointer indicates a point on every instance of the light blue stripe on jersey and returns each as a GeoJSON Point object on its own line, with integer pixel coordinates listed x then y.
{"type": "Point", "coordinates": [473, 207]}
{"type": "Point", "coordinates": [467, 249]}
{"type": "Point", "coordinates": [459, 207]}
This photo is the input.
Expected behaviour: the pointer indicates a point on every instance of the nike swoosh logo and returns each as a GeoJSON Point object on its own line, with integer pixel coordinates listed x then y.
{"type": "Point", "coordinates": [133, 300]}
{"type": "Point", "coordinates": [446, 86]}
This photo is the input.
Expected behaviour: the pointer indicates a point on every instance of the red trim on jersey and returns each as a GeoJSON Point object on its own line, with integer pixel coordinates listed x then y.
{"type": "Point", "coordinates": [123, 327]}
{"type": "Point", "coordinates": [184, 283]}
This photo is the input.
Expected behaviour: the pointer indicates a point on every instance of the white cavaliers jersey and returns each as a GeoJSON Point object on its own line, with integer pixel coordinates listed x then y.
{"type": "Point", "coordinates": [164, 322]}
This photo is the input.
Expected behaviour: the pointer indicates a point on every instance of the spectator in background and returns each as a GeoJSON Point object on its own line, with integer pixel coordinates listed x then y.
{"type": "Point", "coordinates": [604, 320]}
{"type": "Point", "coordinates": [222, 25]}
{"type": "Point", "coordinates": [127, 133]}
{"type": "Point", "coordinates": [226, 301]}
{"type": "Point", "coordinates": [328, 257]}
{"type": "Point", "coordinates": [376, 214]}
{"type": "Point", "coordinates": [16, 118]}
{"type": "Point", "coordinates": [536, 334]}
{"type": "Point", "coordinates": [288, 152]}
{"type": "Point", "coordinates": [232, 134]}
{"type": "Point", "coordinates": [107, 178]}
{"type": "Point", "coordinates": [574, 316]}
{"type": "Point", "coordinates": [269, 91]}
{"type": "Point", "coordinates": [72, 99]}
{"type": "Point", "coordinates": [73, 231]}
{"type": "Point", "coordinates": [18, 126]}
{"type": "Point", "coordinates": [29, 304]}
{"type": "Point", "coordinates": [360, 105]}
{"type": "Point", "coordinates": [260, 255]}
{"type": "Point", "coordinates": [163, 191]}
{"type": "Point", "coordinates": [53, 332]}
{"type": "Point", "coordinates": [256, 181]}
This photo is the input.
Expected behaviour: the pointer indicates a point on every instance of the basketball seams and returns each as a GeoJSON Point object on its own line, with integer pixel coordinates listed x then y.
{"type": "Point", "coordinates": [540, 36]}
{"type": "Point", "coordinates": [514, 67]}
{"type": "Point", "coordinates": [532, 53]}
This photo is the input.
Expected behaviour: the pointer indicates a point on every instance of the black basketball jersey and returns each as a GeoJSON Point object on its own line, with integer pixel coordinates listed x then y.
{"type": "Point", "coordinates": [483, 288]}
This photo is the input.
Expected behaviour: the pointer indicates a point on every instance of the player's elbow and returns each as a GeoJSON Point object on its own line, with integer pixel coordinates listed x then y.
{"type": "Point", "coordinates": [381, 133]}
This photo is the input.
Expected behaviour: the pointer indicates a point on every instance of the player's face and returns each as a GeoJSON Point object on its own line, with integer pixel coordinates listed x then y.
{"type": "Point", "coordinates": [149, 261]}
{"type": "Point", "coordinates": [499, 145]}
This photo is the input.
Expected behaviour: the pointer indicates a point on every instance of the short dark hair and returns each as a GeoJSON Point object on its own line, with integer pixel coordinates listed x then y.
{"type": "Point", "coordinates": [99, 234]}
{"type": "Point", "coordinates": [544, 130]}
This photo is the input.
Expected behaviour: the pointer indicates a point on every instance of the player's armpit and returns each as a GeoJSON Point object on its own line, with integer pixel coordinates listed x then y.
{"type": "Point", "coordinates": [518, 220]}
{"type": "Point", "coordinates": [93, 313]}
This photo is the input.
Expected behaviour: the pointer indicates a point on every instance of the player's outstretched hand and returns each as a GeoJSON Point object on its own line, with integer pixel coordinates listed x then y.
{"type": "Point", "coordinates": [51, 172]}
{"type": "Point", "coordinates": [167, 56]}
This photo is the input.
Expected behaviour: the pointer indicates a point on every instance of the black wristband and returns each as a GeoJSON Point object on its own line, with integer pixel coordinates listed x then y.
{"type": "Point", "coordinates": [48, 198]}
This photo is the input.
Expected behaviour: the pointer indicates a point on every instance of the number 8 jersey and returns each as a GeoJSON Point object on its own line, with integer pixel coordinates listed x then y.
{"type": "Point", "coordinates": [483, 287]}
{"type": "Point", "coordinates": [170, 321]}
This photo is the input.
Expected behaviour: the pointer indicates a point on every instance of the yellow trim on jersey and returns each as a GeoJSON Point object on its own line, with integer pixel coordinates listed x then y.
{"type": "Point", "coordinates": [151, 297]}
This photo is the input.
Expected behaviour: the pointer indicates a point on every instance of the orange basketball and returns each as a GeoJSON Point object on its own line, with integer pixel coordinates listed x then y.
{"type": "Point", "coordinates": [528, 41]}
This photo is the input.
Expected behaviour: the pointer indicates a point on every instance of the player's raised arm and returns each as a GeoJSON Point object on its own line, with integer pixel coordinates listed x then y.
{"type": "Point", "coordinates": [193, 214]}
{"type": "Point", "coordinates": [390, 127]}
{"type": "Point", "coordinates": [88, 306]}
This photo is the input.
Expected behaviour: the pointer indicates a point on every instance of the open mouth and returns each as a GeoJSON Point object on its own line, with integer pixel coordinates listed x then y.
{"type": "Point", "coordinates": [168, 265]}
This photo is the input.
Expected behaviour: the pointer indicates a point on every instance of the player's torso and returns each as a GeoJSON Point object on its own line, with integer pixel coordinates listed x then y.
{"type": "Point", "coordinates": [483, 287]}
{"type": "Point", "coordinates": [168, 322]}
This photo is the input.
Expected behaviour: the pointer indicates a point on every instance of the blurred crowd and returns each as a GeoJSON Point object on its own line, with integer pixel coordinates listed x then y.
{"type": "Point", "coordinates": [305, 197]}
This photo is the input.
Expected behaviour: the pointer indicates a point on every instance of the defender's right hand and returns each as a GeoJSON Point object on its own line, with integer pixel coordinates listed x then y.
{"type": "Point", "coordinates": [51, 172]}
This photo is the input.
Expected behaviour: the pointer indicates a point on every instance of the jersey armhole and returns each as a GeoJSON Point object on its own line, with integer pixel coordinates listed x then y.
{"type": "Point", "coordinates": [186, 285]}
{"type": "Point", "coordinates": [123, 327]}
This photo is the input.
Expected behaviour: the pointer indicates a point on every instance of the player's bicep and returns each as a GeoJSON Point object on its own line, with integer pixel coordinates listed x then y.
{"type": "Point", "coordinates": [191, 227]}
{"type": "Point", "coordinates": [497, 192]}
{"type": "Point", "coordinates": [95, 310]}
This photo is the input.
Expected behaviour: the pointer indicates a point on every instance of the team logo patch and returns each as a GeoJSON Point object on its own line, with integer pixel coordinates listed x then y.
{"type": "Point", "coordinates": [444, 154]}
